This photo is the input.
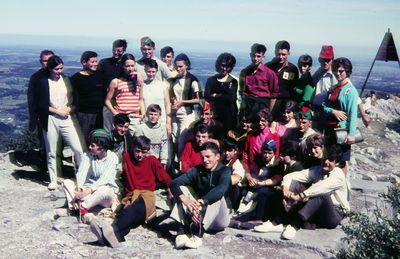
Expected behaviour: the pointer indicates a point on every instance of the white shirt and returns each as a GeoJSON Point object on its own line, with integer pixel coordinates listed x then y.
{"type": "Point", "coordinates": [334, 183]}
{"type": "Point", "coordinates": [163, 72]}
{"type": "Point", "coordinates": [322, 87]}
{"type": "Point", "coordinates": [178, 91]}
{"type": "Point", "coordinates": [58, 93]}
{"type": "Point", "coordinates": [153, 93]}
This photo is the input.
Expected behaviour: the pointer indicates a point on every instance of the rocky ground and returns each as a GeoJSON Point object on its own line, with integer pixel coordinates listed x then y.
{"type": "Point", "coordinates": [29, 230]}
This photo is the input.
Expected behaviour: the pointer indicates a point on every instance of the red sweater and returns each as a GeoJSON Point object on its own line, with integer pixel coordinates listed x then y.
{"type": "Point", "coordinates": [145, 174]}
{"type": "Point", "coordinates": [252, 149]}
{"type": "Point", "coordinates": [191, 157]}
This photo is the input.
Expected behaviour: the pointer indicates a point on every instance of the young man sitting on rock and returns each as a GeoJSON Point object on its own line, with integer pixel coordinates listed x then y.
{"type": "Point", "coordinates": [326, 201]}
{"type": "Point", "coordinates": [262, 191]}
{"type": "Point", "coordinates": [95, 183]}
{"type": "Point", "coordinates": [230, 159]}
{"type": "Point", "coordinates": [143, 172]}
{"type": "Point", "coordinates": [191, 155]}
{"type": "Point", "coordinates": [201, 205]}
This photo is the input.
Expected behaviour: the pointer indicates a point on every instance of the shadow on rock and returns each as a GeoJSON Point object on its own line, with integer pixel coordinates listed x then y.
{"type": "Point", "coordinates": [34, 176]}
{"type": "Point", "coordinates": [394, 125]}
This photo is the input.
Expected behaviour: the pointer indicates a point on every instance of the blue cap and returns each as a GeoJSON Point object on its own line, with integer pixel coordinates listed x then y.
{"type": "Point", "coordinates": [269, 145]}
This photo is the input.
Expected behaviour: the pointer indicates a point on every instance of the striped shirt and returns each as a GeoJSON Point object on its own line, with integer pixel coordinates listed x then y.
{"type": "Point", "coordinates": [127, 100]}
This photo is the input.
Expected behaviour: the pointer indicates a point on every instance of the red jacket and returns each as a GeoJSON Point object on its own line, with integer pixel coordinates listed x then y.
{"type": "Point", "coordinates": [145, 174]}
{"type": "Point", "coordinates": [191, 157]}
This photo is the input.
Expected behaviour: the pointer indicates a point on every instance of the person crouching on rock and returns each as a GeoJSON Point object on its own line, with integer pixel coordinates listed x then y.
{"type": "Point", "coordinates": [200, 194]}
{"type": "Point", "coordinates": [143, 172]}
{"type": "Point", "coordinates": [325, 203]}
{"type": "Point", "coordinates": [95, 181]}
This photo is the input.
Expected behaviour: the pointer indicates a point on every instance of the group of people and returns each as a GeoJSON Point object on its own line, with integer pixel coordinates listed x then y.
{"type": "Point", "coordinates": [259, 152]}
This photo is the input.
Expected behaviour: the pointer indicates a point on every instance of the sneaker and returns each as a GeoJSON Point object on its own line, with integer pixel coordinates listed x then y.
{"type": "Point", "coordinates": [104, 232]}
{"type": "Point", "coordinates": [268, 227]}
{"type": "Point", "coordinates": [95, 227]}
{"type": "Point", "coordinates": [180, 241]}
{"type": "Point", "coordinates": [60, 212]}
{"type": "Point", "coordinates": [52, 185]}
{"type": "Point", "coordinates": [109, 234]}
{"type": "Point", "coordinates": [194, 242]}
{"type": "Point", "coordinates": [289, 233]}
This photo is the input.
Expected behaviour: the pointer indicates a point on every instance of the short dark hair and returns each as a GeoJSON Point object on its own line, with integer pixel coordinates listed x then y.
{"type": "Point", "coordinates": [264, 113]}
{"type": "Point", "coordinates": [202, 128]}
{"type": "Point", "coordinates": [183, 57]}
{"type": "Point", "coordinates": [164, 51]}
{"type": "Point", "coordinates": [335, 153]}
{"type": "Point", "coordinates": [343, 62]}
{"type": "Point", "coordinates": [283, 44]}
{"type": "Point", "coordinates": [290, 148]}
{"type": "Point", "coordinates": [141, 142]}
{"type": "Point", "coordinates": [229, 143]}
{"type": "Point", "coordinates": [291, 106]}
{"type": "Point", "coordinates": [226, 58]}
{"type": "Point", "coordinates": [53, 62]}
{"type": "Point", "coordinates": [127, 56]}
{"type": "Point", "coordinates": [153, 108]}
{"type": "Point", "coordinates": [258, 48]}
{"type": "Point", "coordinates": [210, 146]}
{"type": "Point", "coordinates": [88, 55]}
{"type": "Point", "coordinates": [46, 52]}
{"type": "Point", "coordinates": [120, 43]}
{"type": "Point", "coordinates": [304, 60]}
{"type": "Point", "coordinates": [150, 63]}
{"type": "Point", "coordinates": [121, 119]}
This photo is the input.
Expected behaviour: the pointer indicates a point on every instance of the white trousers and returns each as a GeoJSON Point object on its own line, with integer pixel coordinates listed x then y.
{"type": "Point", "coordinates": [180, 126]}
{"type": "Point", "coordinates": [216, 217]}
{"type": "Point", "coordinates": [65, 128]}
{"type": "Point", "coordinates": [104, 196]}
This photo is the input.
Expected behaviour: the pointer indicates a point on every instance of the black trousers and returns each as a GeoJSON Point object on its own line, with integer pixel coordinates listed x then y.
{"type": "Point", "coordinates": [130, 217]}
{"type": "Point", "coordinates": [321, 211]}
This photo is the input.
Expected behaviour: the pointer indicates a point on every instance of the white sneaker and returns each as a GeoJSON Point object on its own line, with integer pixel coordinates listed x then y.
{"type": "Point", "coordinates": [194, 242]}
{"type": "Point", "coordinates": [61, 212]}
{"type": "Point", "coordinates": [96, 229]}
{"type": "Point", "coordinates": [289, 233]}
{"type": "Point", "coordinates": [109, 234]}
{"type": "Point", "coordinates": [268, 227]}
{"type": "Point", "coordinates": [180, 241]}
{"type": "Point", "coordinates": [52, 185]}
{"type": "Point", "coordinates": [104, 232]}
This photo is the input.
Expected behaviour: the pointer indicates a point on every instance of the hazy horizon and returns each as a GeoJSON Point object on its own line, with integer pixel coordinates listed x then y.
{"type": "Point", "coordinates": [103, 44]}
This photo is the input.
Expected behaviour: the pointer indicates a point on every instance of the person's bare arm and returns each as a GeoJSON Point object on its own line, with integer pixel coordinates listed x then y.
{"type": "Point", "coordinates": [110, 96]}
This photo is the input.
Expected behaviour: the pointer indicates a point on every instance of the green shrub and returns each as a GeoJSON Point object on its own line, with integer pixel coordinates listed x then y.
{"type": "Point", "coordinates": [376, 236]}
{"type": "Point", "coordinates": [25, 148]}
{"type": "Point", "coordinates": [25, 142]}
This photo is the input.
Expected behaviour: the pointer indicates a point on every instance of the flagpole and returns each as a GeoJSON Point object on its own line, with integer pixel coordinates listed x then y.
{"type": "Point", "coordinates": [369, 73]}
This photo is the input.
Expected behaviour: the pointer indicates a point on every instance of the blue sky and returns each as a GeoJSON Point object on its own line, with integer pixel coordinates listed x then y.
{"type": "Point", "coordinates": [340, 23]}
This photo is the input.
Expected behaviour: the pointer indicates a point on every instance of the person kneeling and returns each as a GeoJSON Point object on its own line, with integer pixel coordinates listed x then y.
{"type": "Point", "coordinates": [95, 178]}
{"type": "Point", "coordinates": [200, 198]}
{"type": "Point", "coordinates": [143, 172]}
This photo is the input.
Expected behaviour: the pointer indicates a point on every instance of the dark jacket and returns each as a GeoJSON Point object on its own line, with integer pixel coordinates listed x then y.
{"type": "Point", "coordinates": [208, 186]}
{"type": "Point", "coordinates": [33, 82]}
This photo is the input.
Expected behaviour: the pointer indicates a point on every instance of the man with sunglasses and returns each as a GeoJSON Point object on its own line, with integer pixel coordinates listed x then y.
{"type": "Point", "coordinates": [323, 78]}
